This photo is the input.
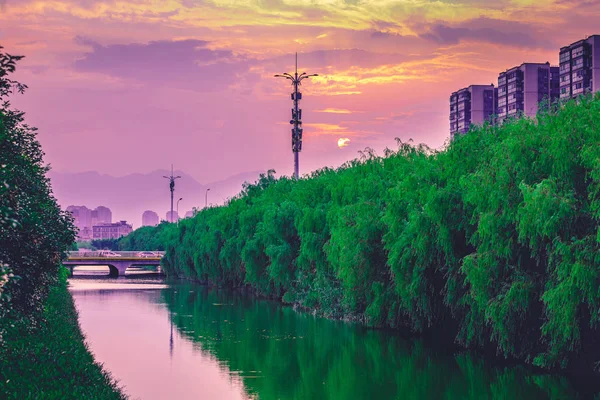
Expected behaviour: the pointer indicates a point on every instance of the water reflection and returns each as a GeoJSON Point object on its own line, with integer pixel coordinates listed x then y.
{"type": "Point", "coordinates": [183, 341]}
{"type": "Point", "coordinates": [281, 354]}
{"type": "Point", "coordinates": [128, 330]}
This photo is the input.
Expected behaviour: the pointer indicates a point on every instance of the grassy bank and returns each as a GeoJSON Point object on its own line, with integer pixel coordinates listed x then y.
{"type": "Point", "coordinates": [46, 358]}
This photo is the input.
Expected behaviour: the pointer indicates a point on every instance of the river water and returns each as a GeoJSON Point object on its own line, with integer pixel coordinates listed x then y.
{"type": "Point", "coordinates": [183, 341]}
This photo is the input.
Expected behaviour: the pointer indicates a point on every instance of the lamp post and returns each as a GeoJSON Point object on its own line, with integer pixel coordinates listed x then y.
{"type": "Point", "coordinates": [172, 188]}
{"type": "Point", "coordinates": [181, 198]}
{"type": "Point", "coordinates": [206, 198]}
{"type": "Point", "coordinates": [296, 120]}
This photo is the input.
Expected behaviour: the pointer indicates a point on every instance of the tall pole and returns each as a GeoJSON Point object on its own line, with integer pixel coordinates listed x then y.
{"type": "Point", "coordinates": [181, 198]}
{"type": "Point", "coordinates": [172, 188]}
{"type": "Point", "coordinates": [206, 198]}
{"type": "Point", "coordinates": [296, 120]}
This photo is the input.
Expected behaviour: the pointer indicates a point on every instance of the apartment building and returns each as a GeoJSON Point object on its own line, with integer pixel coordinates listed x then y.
{"type": "Point", "coordinates": [471, 105]}
{"type": "Point", "coordinates": [521, 89]}
{"type": "Point", "coordinates": [580, 67]}
{"type": "Point", "coordinates": [111, 230]}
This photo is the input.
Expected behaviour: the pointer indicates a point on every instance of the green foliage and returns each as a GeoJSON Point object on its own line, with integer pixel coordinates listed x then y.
{"type": "Point", "coordinates": [42, 352]}
{"type": "Point", "coordinates": [493, 241]}
{"type": "Point", "coordinates": [84, 245]}
{"type": "Point", "coordinates": [34, 233]}
{"type": "Point", "coordinates": [105, 244]}
{"type": "Point", "coordinates": [50, 360]}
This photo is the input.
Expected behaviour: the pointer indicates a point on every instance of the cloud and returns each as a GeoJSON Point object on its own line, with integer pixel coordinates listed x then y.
{"type": "Point", "coordinates": [506, 33]}
{"type": "Point", "coordinates": [336, 111]}
{"type": "Point", "coordinates": [326, 129]}
{"type": "Point", "coordinates": [186, 63]}
{"type": "Point", "coordinates": [339, 59]}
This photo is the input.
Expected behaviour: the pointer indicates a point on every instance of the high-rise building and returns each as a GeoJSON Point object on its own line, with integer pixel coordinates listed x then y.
{"type": "Point", "coordinates": [82, 219]}
{"type": "Point", "coordinates": [149, 218]}
{"type": "Point", "coordinates": [172, 218]}
{"type": "Point", "coordinates": [111, 230]}
{"type": "Point", "coordinates": [580, 67]}
{"type": "Point", "coordinates": [521, 89]}
{"type": "Point", "coordinates": [104, 214]}
{"type": "Point", "coordinates": [471, 105]}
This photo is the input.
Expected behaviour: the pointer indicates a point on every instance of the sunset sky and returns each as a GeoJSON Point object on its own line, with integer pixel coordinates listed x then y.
{"type": "Point", "coordinates": [123, 86]}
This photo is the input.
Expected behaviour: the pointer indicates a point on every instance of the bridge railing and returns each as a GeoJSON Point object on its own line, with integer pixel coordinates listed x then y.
{"type": "Point", "coordinates": [103, 253]}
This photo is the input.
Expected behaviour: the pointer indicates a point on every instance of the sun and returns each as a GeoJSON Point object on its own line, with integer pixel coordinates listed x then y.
{"type": "Point", "coordinates": [343, 142]}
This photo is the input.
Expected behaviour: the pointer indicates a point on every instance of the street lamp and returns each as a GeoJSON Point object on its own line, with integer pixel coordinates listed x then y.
{"type": "Point", "coordinates": [296, 120]}
{"type": "Point", "coordinates": [172, 188]}
{"type": "Point", "coordinates": [181, 198]}
{"type": "Point", "coordinates": [206, 198]}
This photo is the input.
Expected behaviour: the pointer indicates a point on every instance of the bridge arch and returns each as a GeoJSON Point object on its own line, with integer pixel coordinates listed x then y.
{"type": "Point", "coordinates": [112, 270]}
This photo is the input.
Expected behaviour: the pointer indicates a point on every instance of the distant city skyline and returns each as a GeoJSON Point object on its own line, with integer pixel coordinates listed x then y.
{"type": "Point", "coordinates": [385, 71]}
{"type": "Point", "coordinates": [86, 218]}
{"type": "Point", "coordinates": [129, 196]}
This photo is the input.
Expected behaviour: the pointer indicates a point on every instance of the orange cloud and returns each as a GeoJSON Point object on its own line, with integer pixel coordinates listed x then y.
{"type": "Point", "coordinates": [336, 111]}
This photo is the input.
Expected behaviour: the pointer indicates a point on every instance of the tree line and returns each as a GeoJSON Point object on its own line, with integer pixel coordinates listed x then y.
{"type": "Point", "coordinates": [34, 232]}
{"type": "Point", "coordinates": [492, 241]}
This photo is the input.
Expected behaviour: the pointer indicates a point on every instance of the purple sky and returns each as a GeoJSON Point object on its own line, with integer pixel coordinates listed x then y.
{"type": "Point", "coordinates": [123, 86]}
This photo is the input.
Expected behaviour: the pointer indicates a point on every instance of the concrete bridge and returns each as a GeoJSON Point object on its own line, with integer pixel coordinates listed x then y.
{"type": "Point", "coordinates": [117, 261]}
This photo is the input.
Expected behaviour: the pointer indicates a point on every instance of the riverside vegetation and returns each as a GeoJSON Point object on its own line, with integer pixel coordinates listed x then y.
{"type": "Point", "coordinates": [492, 242]}
{"type": "Point", "coordinates": [42, 352]}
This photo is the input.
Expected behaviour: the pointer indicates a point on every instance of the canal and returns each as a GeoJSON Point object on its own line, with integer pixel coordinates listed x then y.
{"type": "Point", "coordinates": [174, 340]}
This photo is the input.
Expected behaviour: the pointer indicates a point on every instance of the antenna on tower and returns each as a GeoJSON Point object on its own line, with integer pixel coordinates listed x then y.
{"type": "Point", "coordinates": [296, 120]}
{"type": "Point", "coordinates": [172, 189]}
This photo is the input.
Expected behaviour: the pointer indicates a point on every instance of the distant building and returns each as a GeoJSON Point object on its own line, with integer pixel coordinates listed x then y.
{"type": "Point", "coordinates": [86, 218]}
{"type": "Point", "coordinates": [103, 215]}
{"type": "Point", "coordinates": [84, 234]}
{"type": "Point", "coordinates": [580, 67]}
{"type": "Point", "coordinates": [190, 214]}
{"type": "Point", "coordinates": [521, 89]}
{"type": "Point", "coordinates": [149, 218]}
{"type": "Point", "coordinates": [111, 230]}
{"type": "Point", "coordinates": [172, 218]}
{"type": "Point", "coordinates": [471, 105]}
{"type": "Point", "coordinates": [82, 219]}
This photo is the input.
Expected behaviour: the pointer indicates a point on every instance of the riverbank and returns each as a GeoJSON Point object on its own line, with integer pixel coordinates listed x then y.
{"type": "Point", "coordinates": [50, 360]}
{"type": "Point", "coordinates": [490, 243]}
